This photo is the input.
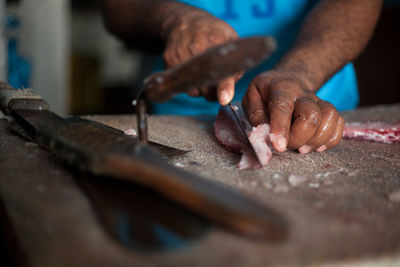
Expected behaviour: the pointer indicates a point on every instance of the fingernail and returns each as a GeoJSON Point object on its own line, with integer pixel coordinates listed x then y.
{"type": "Point", "coordinates": [224, 98]}
{"type": "Point", "coordinates": [304, 149]}
{"type": "Point", "coordinates": [281, 143]}
{"type": "Point", "coordinates": [322, 148]}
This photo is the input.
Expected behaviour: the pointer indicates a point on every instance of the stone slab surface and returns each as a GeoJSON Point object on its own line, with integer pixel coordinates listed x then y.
{"type": "Point", "coordinates": [346, 209]}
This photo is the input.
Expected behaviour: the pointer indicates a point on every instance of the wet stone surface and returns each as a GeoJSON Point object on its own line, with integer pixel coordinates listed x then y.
{"type": "Point", "coordinates": [341, 204]}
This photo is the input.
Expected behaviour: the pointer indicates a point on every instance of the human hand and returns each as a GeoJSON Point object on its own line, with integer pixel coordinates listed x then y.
{"type": "Point", "coordinates": [193, 35]}
{"type": "Point", "coordinates": [297, 117]}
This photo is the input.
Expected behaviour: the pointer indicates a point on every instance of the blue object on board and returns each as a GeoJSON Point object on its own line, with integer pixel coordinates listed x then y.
{"type": "Point", "coordinates": [166, 239]}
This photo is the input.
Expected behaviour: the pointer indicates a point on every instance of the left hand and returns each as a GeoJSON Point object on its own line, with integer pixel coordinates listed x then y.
{"type": "Point", "coordinates": [298, 118]}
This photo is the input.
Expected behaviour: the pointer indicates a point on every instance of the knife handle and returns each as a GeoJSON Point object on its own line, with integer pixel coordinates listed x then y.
{"type": "Point", "coordinates": [11, 99]}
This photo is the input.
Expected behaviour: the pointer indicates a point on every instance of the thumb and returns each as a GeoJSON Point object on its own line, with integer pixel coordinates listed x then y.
{"type": "Point", "coordinates": [254, 106]}
{"type": "Point", "coordinates": [226, 91]}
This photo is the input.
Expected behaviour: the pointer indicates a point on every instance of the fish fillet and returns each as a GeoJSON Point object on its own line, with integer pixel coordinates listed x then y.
{"type": "Point", "coordinates": [375, 131]}
{"type": "Point", "coordinates": [229, 134]}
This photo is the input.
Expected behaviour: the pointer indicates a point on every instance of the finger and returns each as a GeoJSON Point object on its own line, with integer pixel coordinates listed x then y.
{"type": "Point", "coordinates": [194, 92]}
{"type": "Point", "coordinates": [306, 119]}
{"type": "Point", "coordinates": [280, 110]}
{"type": "Point", "coordinates": [254, 106]}
{"type": "Point", "coordinates": [198, 46]}
{"type": "Point", "coordinates": [209, 93]}
{"type": "Point", "coordinates": [329, 119]}
{"type": "Point", "coordinates": [226, 91]}
{"type": "Point", "coordinates": [238, 76]}
{"type": "Point", "coordinates": [171, 58]}
{"type": "Point", "coordinates": [334, 140]}
{"type": "Point", "coordinates": [183, 54]}
{"type": "Point", "coordinates": [168, 59]}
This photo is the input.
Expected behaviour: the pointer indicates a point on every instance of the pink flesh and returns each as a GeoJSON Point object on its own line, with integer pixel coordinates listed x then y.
{"type": "Point", "coordinates": [258, 138]}
{"type": "Point", "coordinates": [248, 160]}
{"type": "Point", "coordinates": [229, 135]}
{"type": "Point", "coordinates": [130, 132]}
{"type": "Point", "coordinates": [377, 131]}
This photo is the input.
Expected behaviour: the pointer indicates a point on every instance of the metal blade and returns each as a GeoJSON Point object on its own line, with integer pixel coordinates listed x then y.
{"type": "Point", "coordinates": [168, 151]}
{"type": "Point", "coordinates": [104, 151]}
{"type": "Point", "coordinates": [164, 150]}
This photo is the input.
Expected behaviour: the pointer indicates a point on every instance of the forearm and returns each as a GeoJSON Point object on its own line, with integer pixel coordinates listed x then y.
{"type": "Point", "coordinates": [145, 23]}
{"type": "Point", "coordinates": [334, 33]}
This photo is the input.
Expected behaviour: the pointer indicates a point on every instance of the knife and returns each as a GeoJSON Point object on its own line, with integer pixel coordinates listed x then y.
{"type": "Point", "coordinates": [234, 110]}
{"type": "Point", "coordinates": [206, 69]}
{"type": "Point", "coordinates": [102, 150]}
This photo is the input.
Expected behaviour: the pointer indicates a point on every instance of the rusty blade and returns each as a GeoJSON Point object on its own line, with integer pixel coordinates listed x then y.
{"type": "Point", "coordinates": [164, 150]}
{"type": "Point", "coordinates": [209, 68]}
{"type": "Point", "coordinates": [12, 99]}
{"type": "Point", "coordinates": [102, 151]}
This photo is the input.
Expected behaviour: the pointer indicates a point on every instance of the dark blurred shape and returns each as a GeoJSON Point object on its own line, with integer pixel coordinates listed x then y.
{"type": "Point", "coordinates": [140, 218]}
{"type": "Point", "coordinates": [377, 67]}
{"type": "Point", "coordinates": [118, 98]}
{"type": "Point", "coordinates": [83, 4]}
{"type": "Point", "coordinates": [10, 252]}
{"type": "Point", "coordinates": [87, 94]}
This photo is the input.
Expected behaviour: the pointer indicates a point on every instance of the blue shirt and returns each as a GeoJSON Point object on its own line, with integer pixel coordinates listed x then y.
{"type": "Point", "coordinates": [281, 19]}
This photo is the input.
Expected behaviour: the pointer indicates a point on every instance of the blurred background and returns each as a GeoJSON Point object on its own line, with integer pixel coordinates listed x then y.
{"type": "Point", "coordinates": [62, 50]}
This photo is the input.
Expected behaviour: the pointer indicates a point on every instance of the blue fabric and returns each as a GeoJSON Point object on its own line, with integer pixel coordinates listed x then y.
{"type": "Point", "coordinates": [278, 18]}
{"type": "Point", "coordinates": [19, 68]}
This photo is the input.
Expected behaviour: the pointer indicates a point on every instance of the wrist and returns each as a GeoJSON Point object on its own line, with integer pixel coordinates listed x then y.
{"type": "Point", "coordinates": [299, 73]}
{"type": "Point", "coordinates": [182, 16]}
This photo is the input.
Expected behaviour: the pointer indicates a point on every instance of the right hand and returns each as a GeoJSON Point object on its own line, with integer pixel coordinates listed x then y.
{"type": "Point", "coordinates": [191, 36]}
{"type": "Point", "coordinates": [298, 118]}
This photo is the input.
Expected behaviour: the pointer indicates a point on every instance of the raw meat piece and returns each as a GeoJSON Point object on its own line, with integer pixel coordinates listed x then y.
{"type": "Point", "coordinates": [258, 137]}
{"type": "Point", "coordinates": [376, 131]}
{"type": "Point", "coordinates": [248, 160]}
{"type": "Point", "coordinates": [229, 134]}
{"type": "Point", "coordinates": [130, 132]}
